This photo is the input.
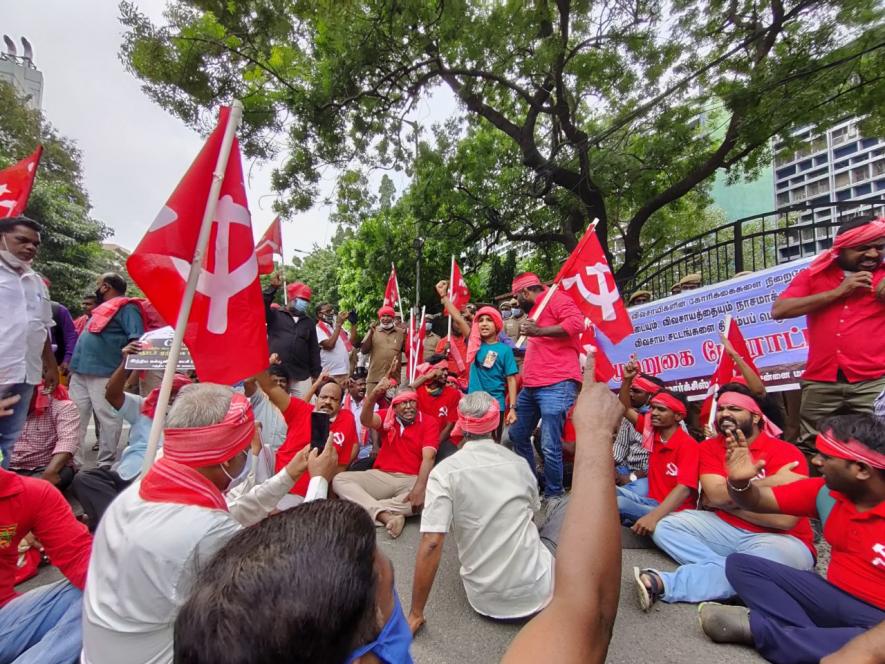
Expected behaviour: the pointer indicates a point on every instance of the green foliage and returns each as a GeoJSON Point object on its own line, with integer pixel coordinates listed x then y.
{"type": "Point", "coordinates": [71, 255]}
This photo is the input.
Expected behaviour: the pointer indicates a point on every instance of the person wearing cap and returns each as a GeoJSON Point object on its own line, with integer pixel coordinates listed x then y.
{"type": "Point", "coordinates": [691, 281]}
{"type": "Point", "coordinates": [701, 540]}
{"type": "Point", "coordinates": [487, 496]}
{"type": "Point", "coordinates": [162, 529]}
{"type": "Point", "coordinates": [676, 288]}
{"type": "Point", "coordinates": [292, 334]}
{"type": "Point", "coordinates": [431, 338]}
{"type": "Point", "coordinates": [551, 376]}
{"type": "Point", "coordinates": [394, 487]}
{"type": "Point", "coordinates": [798, 616]}
{"type": "Point", "coordinates": [639, 297]}
{"type": "Point", "coordinates": [511, 329]}
{"type": "Point", "coordinates": [672, 479]}
{"type": "Point", "coordinates": [384, 345]}
{"type": "Point", "coordinates": [842, 296]}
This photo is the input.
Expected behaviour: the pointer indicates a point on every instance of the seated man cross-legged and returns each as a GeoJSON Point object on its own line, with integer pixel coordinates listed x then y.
{"type": "Point", "coordinates": [394, 487]}
{"type": "Point", "coordinates": [700, 541]}
{"type": "Point", "coordinates": [796, 616]}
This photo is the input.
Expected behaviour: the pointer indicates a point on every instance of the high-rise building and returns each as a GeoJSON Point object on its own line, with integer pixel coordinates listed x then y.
{"type": "Point", "coordinates": [20, 71]}
{"type": "Point", "coordinates": [837, 165]}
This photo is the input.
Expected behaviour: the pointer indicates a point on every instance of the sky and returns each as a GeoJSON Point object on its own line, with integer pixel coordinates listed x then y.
{"type": "Point", "coordinates": [134, 152]}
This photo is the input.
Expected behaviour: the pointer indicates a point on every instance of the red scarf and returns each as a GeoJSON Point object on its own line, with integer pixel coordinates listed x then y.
{"type": "Point", "coordinates": [853, 238]}
{"type": "Point", "coordinates": [104, 312]}
{"type": "Point", "coordinates": [41, 400]}
{"type": "Point", "coordinates": [667, 401]}
{"type": "Point", "coordinates": [149, 406]}
{"type": "Point", "coordinates": [341, 335]}
{"type": "Point", "coordinates": [171, 482]}
{"type": "Point", "coordinates": [475, 341]}
{"type": "Point", "coordinates": [390, 417]}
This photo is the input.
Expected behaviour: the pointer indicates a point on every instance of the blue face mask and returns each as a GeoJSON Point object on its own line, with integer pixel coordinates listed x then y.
{"type": "Point", "coordinates": [392, 645]}
{"type": "Point", "coordinates": [298, 305]}
{"type": "Point", "coordinates": [505, 314]}
{"type": "Point", "coordinates": [516, 312]}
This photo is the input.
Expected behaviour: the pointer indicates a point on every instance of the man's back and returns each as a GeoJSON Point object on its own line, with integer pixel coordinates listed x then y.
{"type": "Point", "coordinates": [144, 559]}
{"type": "Point", "coordinates": [489, 496]}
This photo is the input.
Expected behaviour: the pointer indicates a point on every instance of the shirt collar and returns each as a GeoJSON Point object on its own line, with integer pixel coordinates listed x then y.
{"type": "Point", "coordinates": [878, 510]}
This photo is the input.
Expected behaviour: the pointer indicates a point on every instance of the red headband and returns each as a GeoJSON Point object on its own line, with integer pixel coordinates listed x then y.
{"type": "Point", "coordinates": [853, 238]}
{"type": "Point", "coordinates": [149, 406]}
{"type": "Point", "coordinates": [475, 340]}
{"type": "Point", "coordinates": [852, 450]}
{"type": "Point", "coordinates": [402, 397]}
{"type": "Point", "coordinates": [213, 444]}
{"type": "Point", "coordinates": [749, 404]}
{"type": "Point", "coordinates": [478, 425]}
{"type": "Point", "coordinates": [525, 280]}
{"type": "Point", "coordinates": [644, 384]}
{"type": "Point", "coordinates": [669, 401]}
{"type": "Point", "coordinates": [386, 311]}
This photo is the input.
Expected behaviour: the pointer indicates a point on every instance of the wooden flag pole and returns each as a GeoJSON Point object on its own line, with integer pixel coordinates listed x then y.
{"type": "Point", "coordinates": [187, 299]}
{"type": "Point", "coordinates": [712, 419]}
{"type": "Point", "coordinates": [399, 299]}
{"type": "Point", "coordinates": [451, 279]}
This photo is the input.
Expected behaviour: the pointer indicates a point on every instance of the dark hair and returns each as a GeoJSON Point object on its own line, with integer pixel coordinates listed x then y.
{"type": "Point", "coordinates": [866, 428]}
{"type": "Point", "coordinates": [306, 576]}
{"type": "Point", "coordinates": [855, 222]}
{"type": "Point", "coordinates": [280, 371]}
{"type": "Point", "coordinates": [7, 225]}
{"type": "Point", "coordinates": [90, 296]}
{"type": "Point", "coordinates": [360, 373]}
{"type": "Point", "coordinates": [766, 404]}
{"type": "Point", "coordinates": [676, 395]}
{"type": "Point", "coordinates": [115, 281]}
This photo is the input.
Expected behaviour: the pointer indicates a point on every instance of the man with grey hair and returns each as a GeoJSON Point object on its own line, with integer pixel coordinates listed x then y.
{"type": "Point", "coordinates": [165, 526]}
{"type": "Point", "coordinates": [488, 495]}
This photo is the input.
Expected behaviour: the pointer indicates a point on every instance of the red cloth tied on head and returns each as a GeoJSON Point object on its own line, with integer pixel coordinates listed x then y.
{"type": "Point", "coordinates": [644, 384]}
{"type": "Point", "coordinates": [149, 406]}
{"type": "Point", "coordinates": [40, 400]}
{"type": "Point", "coordinates": [299, 290]}
{"type": "Point", "coordinates": [850, 450]}
{"type": "Point", "coordinates": [402, 397]}
{"type": "Point", "coordinates": [426, 367]}
{"type": "Point", "coordinates": [475, 340]}
{"type": "Point", "coordinates": [478, 425]}
{"type": "Point", "coordinates": [213, 444]}
{"type": "Point", "coordinates": [667, 401]}
{"type": "Point", "coordinates": [386, 311]}
{"type": "Point", "coordinates": [749, 404]}
{"type": "Point", "coordinates": [525, 280]}
{"type": "Point", "coordinates": [853, 238]}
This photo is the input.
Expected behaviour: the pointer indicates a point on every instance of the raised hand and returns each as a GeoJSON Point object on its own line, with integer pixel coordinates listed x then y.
{"type": "Point", "coordinates": [325, 464]}
{"type": "Point", "coordinates": [738, 462]}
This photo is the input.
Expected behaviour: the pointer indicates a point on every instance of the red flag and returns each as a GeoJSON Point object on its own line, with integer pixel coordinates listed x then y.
{"type": "Point", "coordinates": [588, 279]}
{"type": "Point", "coordinates": [459, 294]}
{"type": "Point", "coordinates": [391, 293]}
{"type": "Point", "coordinates": [16, 183]}
{"type": "Point", "coordinates": [604, 371]}
{"type": "Point", "coordinates": [226, 332]}
{"type": "Point", "coordinates": [727, 369]}
{"type": "Point", "coordinates": [271, 244]}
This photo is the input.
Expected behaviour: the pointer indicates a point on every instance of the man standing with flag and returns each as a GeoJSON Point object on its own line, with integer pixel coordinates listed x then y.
{"type": "Point", "coordinates": [551, 376]}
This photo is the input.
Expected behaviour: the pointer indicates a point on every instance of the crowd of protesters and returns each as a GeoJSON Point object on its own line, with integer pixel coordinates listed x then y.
{"type": "Point", "coordinates": [252, 536]}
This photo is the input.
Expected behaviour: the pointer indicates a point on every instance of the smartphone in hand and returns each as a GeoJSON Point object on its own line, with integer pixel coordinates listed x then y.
{"type": "Point", "coordinates": [319, 430]}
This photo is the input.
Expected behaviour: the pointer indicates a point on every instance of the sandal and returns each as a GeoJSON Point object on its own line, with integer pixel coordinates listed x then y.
{"type": "Point", "coordinates": [647, 595]}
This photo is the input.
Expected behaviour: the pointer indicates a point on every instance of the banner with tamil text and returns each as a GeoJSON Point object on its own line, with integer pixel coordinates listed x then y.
{"type": "Point", "coordinates": [677, 338]}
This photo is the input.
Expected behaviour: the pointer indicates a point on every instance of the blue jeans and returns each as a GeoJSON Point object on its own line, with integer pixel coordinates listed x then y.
{"type": "Point", "coordinates": [42, 626]}
{"type": "Point", "coordinates": [11, 426]}
{"type": "Point", "coordinates": [549, 404]}
{"type": "Point", "coordinates": [633, 501]}
{"type": "Point", "coordinates": [701, 541]}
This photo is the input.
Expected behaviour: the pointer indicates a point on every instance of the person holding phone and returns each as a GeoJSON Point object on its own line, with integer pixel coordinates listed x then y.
{"type": "Point", "coordinates": [336, 345]}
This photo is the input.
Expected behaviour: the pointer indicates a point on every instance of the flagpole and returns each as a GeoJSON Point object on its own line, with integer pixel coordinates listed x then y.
{"type": "Point", "coordinates": [187, 299]}
{"type": "Point", "coordinates": [411, 341]}
{"type": "Point", "coordinates": [451, 279]}
{"type": "Point", "coordinates": [285, 290]}
{"type": "Point", "coordinates": [420, 351]}
{"type": "Point", "coordinates": [712, 419]}
{"type": "Point", "coordinates": [399, 299]}
{"type": "Point", "coordinates": [540, 308]}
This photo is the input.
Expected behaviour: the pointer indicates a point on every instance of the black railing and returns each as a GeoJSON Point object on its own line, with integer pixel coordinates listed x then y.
{"type": "Point", "coordinates": [750, 244]}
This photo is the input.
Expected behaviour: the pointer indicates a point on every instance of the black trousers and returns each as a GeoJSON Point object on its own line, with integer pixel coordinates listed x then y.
{"type": "Point", "coordinates": [95, 489]}
{"type": "Point", "coordinates": [66, 475]}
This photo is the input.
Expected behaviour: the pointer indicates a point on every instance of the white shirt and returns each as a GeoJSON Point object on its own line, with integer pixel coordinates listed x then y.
{"type": "Point", "coordinates": [145, 557]}
{"type": "Point", "coordinates": [24, 324]}
{"type": "Point", "coordinates": [489, 496]}
{"type": "Point", "coordinates": [273, 426]}
{"type": "Point", "coordinates": [336, 362]}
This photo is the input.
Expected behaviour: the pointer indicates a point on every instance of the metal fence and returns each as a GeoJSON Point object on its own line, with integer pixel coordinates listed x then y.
{"type": "Point", "coordinates": [750, 244]}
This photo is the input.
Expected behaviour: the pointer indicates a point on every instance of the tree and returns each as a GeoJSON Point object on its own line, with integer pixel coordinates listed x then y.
{"type": "Point", "coordinates": [70, 255]}
{"type": "Point", "coordinates": [601, 100]}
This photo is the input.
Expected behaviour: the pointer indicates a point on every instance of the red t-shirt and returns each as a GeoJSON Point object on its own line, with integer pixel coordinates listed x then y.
{"type": "Point", "coordinates": [671, 463]}
{"type": "Point", "coordinates": [297, 417]}
{"type": "Point", "coordinates": [857, 565]}
{"type": "Point", "coordinates": [550, 360]}
{"type": "Point", "coordinates": [443, 407]}
{"type": "Point", "coordinates": [839, 335]}
{"type": "Point", "coordinates": [461, 346]}
{"type": "Point", "coordinates": [33, 505]}
{"type": "Point", "coordinates": [776, 454]}
{"type": "Point", "coordinates": [402, 448]}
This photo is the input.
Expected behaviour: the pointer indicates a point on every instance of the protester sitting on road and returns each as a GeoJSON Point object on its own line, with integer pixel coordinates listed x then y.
{"type": "Point", "coordinates": [297, 414]}
{"type": "Point", "coordinates": [575, 628]}
{"type": "Point", "coordinates": [384, 345]}
{"type": "Point", "coordinates": [673, 462]}
{"type": "Point", "coordinates": [163, 529]}
{"type": "Point", "coordinates": [701, 540]}
{"type": "Point", "coordinates": [842, 296]}
{"type": "Point", "coordinates": [273, 426]}
{"type": "Point", "coordinates": [488, 496]}
{"type": "Point", "coordinates": [354, 401]}
{"type": "Point", "coordinates": [394, 488]}
{"type": "Point", "coordinates": [95, 488]}
{"type": "Point", "coordinates": [438, 399]}
{"type": "Point", "coordinates": [340, 603]}
{"type": "Point", "coordinates": [631, 458]}
{"type": "Point", "coordinates": [795, 616]}
{"type": "Point", "coordinates": [50, 439]}
{"type": "Point", "coordinates": [292, 334]}
{"type": "Point", "coordinates": [691, 281]}
{"type": "Point", "coordinates": [42, 625]}
{"type": "Point", "coordinates": [639, 297]}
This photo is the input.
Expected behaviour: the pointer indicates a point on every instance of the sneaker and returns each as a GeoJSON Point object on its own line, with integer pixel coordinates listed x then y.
{"type": "Point", "coordinates": [647, 595]}
{"type": "Point", "coordinates": [725, 624]}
